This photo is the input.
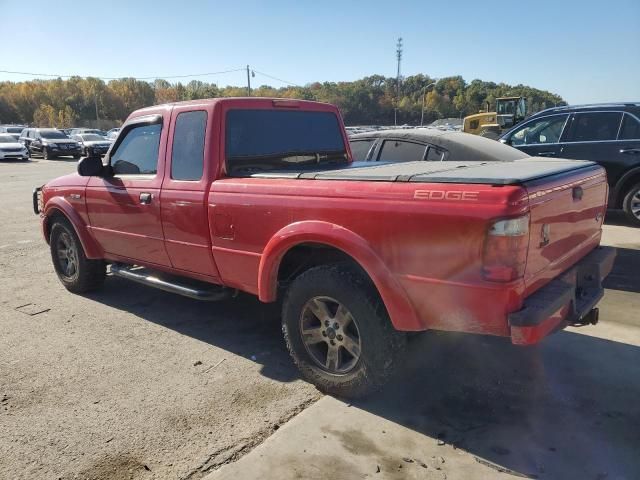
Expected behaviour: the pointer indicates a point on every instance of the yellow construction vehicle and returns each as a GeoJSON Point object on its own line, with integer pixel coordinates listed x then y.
{"type": "Point", "coordinates": [509, 111]}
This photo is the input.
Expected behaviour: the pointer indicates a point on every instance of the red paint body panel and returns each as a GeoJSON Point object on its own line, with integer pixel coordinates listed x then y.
{"type": "Point", "coordinates": [423, 253]}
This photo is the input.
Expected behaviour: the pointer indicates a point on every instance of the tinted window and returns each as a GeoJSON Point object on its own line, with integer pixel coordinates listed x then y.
{"type": "Point", "coordinates": [435, 154]}
{"type": "Point", "coordinates": [13, 129]}
{"type": "Point", "coordinates": [542, 130]}
{"type": "Point", "coordinates": [138, 151]}
{"type": "Point", "coordinates": [359, 149]}
{"type": "Point", "coordinates": [401, 151]}
{"type": "Point", "coordinates": [187, 158]}
{"type": "Point", "coordinates": [630, 129]}
{"type": "Point", "coordinates": [268, 139]}
{"type": "Point", "coordinates": [52, 134]}
{"type": "Point", "coordinates": [588, 127]}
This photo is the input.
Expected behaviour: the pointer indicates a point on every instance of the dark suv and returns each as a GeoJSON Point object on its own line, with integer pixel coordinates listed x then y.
{"type": "Point", "coordinates": [50, 143]}
{"type": "Point", "coordinates": [605, 133]}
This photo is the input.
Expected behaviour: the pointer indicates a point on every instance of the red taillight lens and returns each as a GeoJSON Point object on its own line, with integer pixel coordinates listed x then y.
{"type": "Point", "coordinates": [505, 250]}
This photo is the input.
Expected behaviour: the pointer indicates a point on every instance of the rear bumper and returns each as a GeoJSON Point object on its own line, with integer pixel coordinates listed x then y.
{"type": "Point", "coordinates": [564, 301]}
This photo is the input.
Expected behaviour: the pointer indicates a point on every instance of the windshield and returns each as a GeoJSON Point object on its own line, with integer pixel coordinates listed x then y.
{"type": "Point", "coordinates": [506, 107]}
{"type": "Point", "coordinates": [91, 137]}
{"type": "Point", "coordinates": [282, 139]}
{"type": "Point", "coordinates": [7, 139]}
{"type": "Point", "coordinates": [52, 134]}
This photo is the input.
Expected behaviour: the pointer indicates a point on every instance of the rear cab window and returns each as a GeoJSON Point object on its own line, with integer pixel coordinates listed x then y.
{"type": "Point", "coordinates": [262, 140]}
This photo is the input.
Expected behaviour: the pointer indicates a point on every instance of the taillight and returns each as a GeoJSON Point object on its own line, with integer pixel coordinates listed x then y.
{"type": "Point", "coordinates": [505, 249]}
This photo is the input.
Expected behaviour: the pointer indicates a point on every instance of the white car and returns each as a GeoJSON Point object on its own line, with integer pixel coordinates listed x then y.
{"type": "Point", "coordinates": [12, 149]}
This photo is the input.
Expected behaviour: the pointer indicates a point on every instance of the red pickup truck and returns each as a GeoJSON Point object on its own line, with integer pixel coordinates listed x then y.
{"type": "Point", "coordinates": [209, 197]}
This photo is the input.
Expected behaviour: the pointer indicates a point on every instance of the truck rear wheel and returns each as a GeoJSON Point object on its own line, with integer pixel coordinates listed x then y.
{"type": "Point", "coordinates": [76, 272]}
{"type": "Point", "coordinates": [338, 331]}
{"type": "Point", "coordinates": [631, 205]}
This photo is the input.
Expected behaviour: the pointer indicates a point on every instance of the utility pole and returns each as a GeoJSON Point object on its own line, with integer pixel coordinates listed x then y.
{"type": "Point", "coordinates": [248, 82]}
{"type": "Point", "coordinates": [424, 94]}
{"type": "Point", "coordinates": [399, 58]}
{"type": "Point", "coordinates": [95, 99]}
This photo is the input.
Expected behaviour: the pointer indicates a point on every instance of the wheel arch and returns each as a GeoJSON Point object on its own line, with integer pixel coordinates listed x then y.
{"type": "Point", "coordinates": [60, 208]}
{"type": "Point", "coordinates": [339, 243]}
{"type": "Point", "coordinates": [625, 182]}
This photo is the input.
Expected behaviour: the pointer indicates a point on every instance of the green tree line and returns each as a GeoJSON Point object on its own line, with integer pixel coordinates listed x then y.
{"type": "Point", "coordinates": [370, 100]}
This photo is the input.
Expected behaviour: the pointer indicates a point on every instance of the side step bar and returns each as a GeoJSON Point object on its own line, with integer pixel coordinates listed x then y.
{"type": "Point", "coordinates": [145, 277]}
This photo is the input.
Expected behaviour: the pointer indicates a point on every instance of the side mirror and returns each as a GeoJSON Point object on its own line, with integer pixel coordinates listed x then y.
{"type": "Point", "coordinates": [91, 167]}
{"type": "Point", "coordinates": [506, 141]}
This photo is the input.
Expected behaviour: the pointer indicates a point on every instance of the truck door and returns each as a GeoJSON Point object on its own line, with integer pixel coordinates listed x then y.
{"type": "Point", "coordinates": [124, 209]}
{"type": "Point", "coordinates": [191, 156]}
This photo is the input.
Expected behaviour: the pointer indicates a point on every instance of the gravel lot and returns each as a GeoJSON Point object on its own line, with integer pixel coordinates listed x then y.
{"type": "Point", "coordinates": [131, 382]}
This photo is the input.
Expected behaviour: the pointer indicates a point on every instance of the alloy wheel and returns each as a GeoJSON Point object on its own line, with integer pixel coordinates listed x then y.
{"type": "Point", "coordinates": [330, 335]}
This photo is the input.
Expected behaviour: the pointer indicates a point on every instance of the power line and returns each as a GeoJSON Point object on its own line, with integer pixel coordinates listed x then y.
{"type": "Point", "coordinates": [275, 78]}
{"type": "Point", "coordinates": [118, 78]}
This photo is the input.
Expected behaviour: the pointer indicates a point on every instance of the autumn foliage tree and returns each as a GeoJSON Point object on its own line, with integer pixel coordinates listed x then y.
{"type": "Point", "coordinates": [371, 100]}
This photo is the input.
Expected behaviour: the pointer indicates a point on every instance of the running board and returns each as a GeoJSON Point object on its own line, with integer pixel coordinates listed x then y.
{"type": "Point", "coordinates": [146, 277]}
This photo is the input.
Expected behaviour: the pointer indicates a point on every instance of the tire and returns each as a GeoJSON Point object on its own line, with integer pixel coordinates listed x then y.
{"type": "Point", "coordinates": [46, 155]}
{"type": "Point", "coordinates": [348, 297]}
{"type": "Point", "coordinates": [86, 274]}
{"type": "Point", "coordinates": [76, 156]}
{"type": "Point", "coordinates": [631, 205]}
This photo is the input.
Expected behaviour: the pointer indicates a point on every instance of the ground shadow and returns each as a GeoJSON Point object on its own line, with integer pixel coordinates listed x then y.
{"type": "Point", "coordinates": [241, 325]}
{"type": "Point", "coordinates": [618, 217]}
{"type": "Point", "coordinates": [565, 409]}
{"type": "Point", "coordinates": [626, 271]}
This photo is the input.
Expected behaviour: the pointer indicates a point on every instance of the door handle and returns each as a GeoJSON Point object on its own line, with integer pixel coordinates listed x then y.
{"type": "Point", "coordinates": [547, 154]}
{"type": "Point", "coordinates": [145, 198]}
{"type": "Point", "coordinates": [630, 151]}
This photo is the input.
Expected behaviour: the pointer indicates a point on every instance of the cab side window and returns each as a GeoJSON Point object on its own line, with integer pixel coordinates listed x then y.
{"type": "Point", "coordinates": [435, 154]}
{"type": "Point", "coordinates": [597, 126]}
{"type": "Point", "coordinates": [187, 156]}
{"type": "Point", "coordinates": [137, 154]}
{"type": "Point", "coordinates": [539, 131]}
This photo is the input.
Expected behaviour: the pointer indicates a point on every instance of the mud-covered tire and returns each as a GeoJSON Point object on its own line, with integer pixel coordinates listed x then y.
{"type": "Point", "coordinates": [86, 275]}
{"type": "Point", "coordinates": [380, 346]}
{"type": "Point", "coordinates": [631, 205]}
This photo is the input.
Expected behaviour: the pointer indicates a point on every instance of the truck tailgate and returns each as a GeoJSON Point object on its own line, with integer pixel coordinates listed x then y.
{"type": "Point", "coordinates": [567, 211]}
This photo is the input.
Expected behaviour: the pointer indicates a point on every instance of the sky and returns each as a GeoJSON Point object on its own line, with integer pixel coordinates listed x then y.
{"type": "Point", "coordinates": [585, 51]}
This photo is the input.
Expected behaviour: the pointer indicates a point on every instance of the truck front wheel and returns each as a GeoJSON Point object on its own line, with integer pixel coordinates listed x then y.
{"type": "Point", "coordinates": [76, 272]}
{"type": "Point", "coordinates": [338, 331]}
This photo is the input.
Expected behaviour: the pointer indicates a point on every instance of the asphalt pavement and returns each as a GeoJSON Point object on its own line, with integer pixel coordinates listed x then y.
{"type": "Point", "coordinates": [130, 382]}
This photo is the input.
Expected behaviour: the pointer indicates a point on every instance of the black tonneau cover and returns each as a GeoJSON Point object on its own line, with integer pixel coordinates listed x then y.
{"type": "Point", "coordinates": [491, 173]}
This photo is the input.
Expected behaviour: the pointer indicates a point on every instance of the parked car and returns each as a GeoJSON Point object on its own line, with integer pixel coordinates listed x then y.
{"type": "Point", "coordinates": [92, 144]}
{"type": "Point", "coordinates": [359, 254]}
{"type": "Point", "coordinates": [11, 148]}
{"type": "Point", "coordinates": [608, 134]}
{"type": "Point", "coordinates": [77, 131]}
{"type": "Point", "coordinates": [428, 144]}
{"type": "Point", "coordinates": [113, 133]}
{"type": "Point", "coordinates": [14, 129]}
{"type": "Point", "coordinates": [50, 143]}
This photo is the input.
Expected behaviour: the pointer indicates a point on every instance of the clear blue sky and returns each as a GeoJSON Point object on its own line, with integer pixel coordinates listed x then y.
{"type": "Point", "coordinates": [586, 51]}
